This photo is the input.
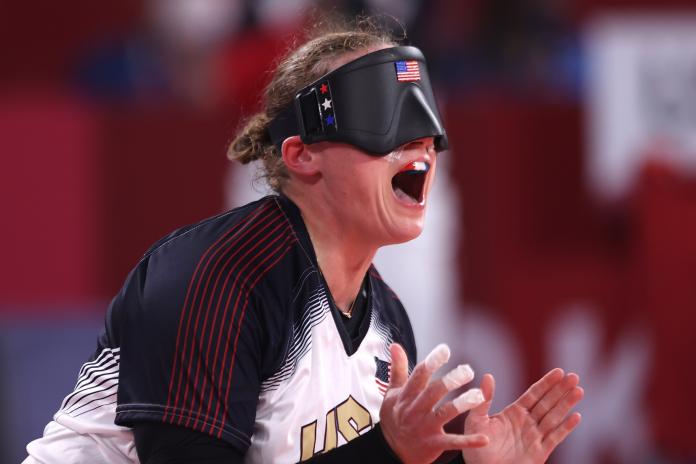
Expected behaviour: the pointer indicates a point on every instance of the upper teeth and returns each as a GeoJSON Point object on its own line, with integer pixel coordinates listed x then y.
{"type": "Point", "coordinates": [416, 166]}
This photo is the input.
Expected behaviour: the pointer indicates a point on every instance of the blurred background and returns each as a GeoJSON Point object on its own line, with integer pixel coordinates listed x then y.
{"type": "Point", "coordinates": [561, 232]}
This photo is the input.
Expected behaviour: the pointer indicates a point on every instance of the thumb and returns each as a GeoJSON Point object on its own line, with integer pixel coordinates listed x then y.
{"type": "Point", "coordinates": [399, 366]}
{"type": "Point", "coordinates": [488, 389]}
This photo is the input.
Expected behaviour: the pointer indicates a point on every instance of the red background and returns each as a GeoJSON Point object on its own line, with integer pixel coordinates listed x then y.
{"type": "Point", "coordinates": [87, 186]}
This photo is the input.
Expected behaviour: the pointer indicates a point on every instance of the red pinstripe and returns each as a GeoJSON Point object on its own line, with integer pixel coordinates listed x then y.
{"type": "Point", "coordinates": [238, 286]}
{"type": "Point", "coordinates": [217, 308]}
{"type": "Point", "coordinates": [182, 354]}
{"type": "Point", "coordinates": [177, 356]}
{"type": "Point", "coordinates": [239, 326]}
{"type": "Point", "coordinates": [247, 239]}
{"type": "Point", "coordinates": [212, 292]}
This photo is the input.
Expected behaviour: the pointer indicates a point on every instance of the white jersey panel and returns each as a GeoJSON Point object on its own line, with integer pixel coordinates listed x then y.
{"type": "Point", "coordinates": [83, 429]}
{"type": "Point", "coordinates": [321, 398]}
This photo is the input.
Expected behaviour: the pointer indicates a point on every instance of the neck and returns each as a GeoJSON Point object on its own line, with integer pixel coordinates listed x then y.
{"type": "Point", "coordinates": [341, 254]}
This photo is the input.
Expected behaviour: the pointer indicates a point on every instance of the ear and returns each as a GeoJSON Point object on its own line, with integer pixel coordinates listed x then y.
{"type": "Point", "coordinates": [298, 158]}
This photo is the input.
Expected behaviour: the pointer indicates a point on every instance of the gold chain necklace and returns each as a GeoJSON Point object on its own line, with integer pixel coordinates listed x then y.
{"type": "Point", "coordinates": [349, 312]}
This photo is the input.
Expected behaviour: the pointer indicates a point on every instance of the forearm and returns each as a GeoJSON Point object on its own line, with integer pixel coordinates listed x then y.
{"type": "Point", "coordinates": [158, 443]}
{"type": "Point", "coordinates": [371, 447]}
{"type": "Point", "coordinates": [168, 444]}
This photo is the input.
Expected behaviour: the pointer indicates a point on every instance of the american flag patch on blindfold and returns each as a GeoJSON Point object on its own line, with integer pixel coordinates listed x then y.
{"type": "Point", "coordinates": [407, 71]}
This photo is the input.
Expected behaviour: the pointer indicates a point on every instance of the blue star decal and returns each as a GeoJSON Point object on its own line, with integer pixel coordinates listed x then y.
{"type": "Point", "coordinates": [329, 120]}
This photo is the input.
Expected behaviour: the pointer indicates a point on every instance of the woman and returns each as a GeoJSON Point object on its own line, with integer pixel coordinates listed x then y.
{"type": "Point", "coordinates": [265, 334]}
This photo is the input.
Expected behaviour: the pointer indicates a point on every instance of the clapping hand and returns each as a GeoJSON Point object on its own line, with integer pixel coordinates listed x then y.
{"type": "Point", "coordinates": [528, 430]}
{"type": "Point", "coordinates": [525, 432]}
{"type": "Point", "coordinates": [410, 417]}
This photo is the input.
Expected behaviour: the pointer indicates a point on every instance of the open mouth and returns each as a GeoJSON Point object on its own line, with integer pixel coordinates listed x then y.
{"type": "Point", "coordinates": [409, 182]}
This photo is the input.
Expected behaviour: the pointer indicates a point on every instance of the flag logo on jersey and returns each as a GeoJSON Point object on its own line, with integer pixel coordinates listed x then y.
{"type": "Point", "coordinates": [407, 71]}
{"type": "Point", "coordinates": [382, 374]}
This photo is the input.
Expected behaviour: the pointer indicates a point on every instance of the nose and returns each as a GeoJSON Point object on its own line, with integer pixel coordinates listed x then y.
{"type": "Point", "coordinates": [426, 142]}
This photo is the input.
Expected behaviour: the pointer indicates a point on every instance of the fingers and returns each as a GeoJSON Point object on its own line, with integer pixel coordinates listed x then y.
{"type": "Point", "coordinates": [532, 396]}
{"type": "Point", "coordinates": [549, 400]}
{"type": "Point", "coordinates": [553, 439]}
{"type": "Point", "coordinates": [464, 402]}
{"type": "Point", "coordinates": [456, 442]}
{"type": "Point", "coordinates": [488, 390]}
{"type": "Point", "coordinates": [437, 389]}
{"type": "Point", "coordinates": [560, 410]}
{"type": "Point", "coordinates": [413, 433]}
{"type": "Point", "coordinates": [399, 366]}
{"type": "Point", "coordinates": [424, 370]}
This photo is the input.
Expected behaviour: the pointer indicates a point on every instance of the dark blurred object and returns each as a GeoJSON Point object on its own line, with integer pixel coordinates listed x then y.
{"type": "Point", "coordinates": [170, 53]}
{"type": "Point", "coordinates": [526, 47]}
{"type": "Point", "coordinates": [40, 41]}
{"type": "Point", "coordinates": [123, 70]}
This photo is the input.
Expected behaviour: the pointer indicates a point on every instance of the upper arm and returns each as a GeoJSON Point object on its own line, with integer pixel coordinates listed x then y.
{"type": "Point", "coordinates": [191, 346]}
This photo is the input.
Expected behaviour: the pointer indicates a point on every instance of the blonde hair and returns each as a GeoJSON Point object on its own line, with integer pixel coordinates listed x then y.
{"type": "Point", "coordinates": [302, 66]}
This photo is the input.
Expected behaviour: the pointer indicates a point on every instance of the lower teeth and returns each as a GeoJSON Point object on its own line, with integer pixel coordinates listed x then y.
{"type": "Point", "coordinates": [400, 194]}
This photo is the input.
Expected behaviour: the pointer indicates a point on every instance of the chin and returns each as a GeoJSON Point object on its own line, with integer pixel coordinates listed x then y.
{"type": "Point", "coordinates": [405, 233]}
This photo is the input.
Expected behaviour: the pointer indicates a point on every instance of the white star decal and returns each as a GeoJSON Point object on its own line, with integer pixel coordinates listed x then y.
{"type": "Point", "coordinates": [326, 104]}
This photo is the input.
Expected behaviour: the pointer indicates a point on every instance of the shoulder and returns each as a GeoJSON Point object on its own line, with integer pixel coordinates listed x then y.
{"type": "Point", "coordinates": [244, 243]}
{"type": "Point", "coordinates": [232, 229]}
{"type": "Point", "coordinates": [222, 258]}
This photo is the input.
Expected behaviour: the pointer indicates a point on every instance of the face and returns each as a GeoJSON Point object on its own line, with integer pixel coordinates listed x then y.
{"type": "Point", "coordinates": [381, 199]}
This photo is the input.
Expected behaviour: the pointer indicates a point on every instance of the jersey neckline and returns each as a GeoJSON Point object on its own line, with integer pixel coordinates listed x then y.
{"type": "Point", "coordinates": [294, 215]}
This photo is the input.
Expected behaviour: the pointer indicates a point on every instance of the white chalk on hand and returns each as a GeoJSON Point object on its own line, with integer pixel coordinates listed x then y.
{"type": "Point", "coordinates": [469, 399]}
{"type": "Point", "coordinates": [458, 376]}
{"type": "Point", "coordinates": [438, 357]}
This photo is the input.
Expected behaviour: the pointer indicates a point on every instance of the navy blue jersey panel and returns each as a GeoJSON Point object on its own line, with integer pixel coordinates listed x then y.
{"type": "Point", "coordinates": [194, 335]}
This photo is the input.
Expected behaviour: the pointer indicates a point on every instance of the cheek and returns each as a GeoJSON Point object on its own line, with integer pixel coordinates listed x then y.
{"type": "Point", "coordinates": [395, 156]}
{"type": "Point", "coordinates": [373, 177]}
